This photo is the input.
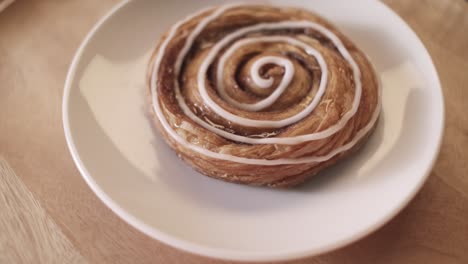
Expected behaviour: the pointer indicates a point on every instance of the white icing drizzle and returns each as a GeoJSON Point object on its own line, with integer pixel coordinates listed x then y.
{"type": "Point", "coordinates": [267, 83]}
{"type": "Point", "coordinates": [284, 140]}
{"type": "Point", "coordinates": [279, 123]}
{"type": "Point", "coordinates": [287, 78]}
{"type": "Point", "coordinates": [258, 27]}
{"type": "Point", "coordinates": [202, 89]}
{"type": "Point", "coordinates": [260, 82]}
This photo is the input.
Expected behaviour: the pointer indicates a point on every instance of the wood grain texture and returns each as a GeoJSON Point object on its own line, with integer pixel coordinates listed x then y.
{"type": "Point", "coordinates": [29, 235]}
{"type": "Point", "coordinates": [37, 42]}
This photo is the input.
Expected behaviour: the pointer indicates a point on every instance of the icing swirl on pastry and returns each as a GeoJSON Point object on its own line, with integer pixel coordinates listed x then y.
{"type": "Point", "coordinates": [259, 80]}
{"type": "Point", "coordinates": [240, 39]}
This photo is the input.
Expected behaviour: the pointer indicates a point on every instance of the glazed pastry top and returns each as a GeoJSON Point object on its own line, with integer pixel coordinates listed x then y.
{"type": "Point", "coordinates": [262, 85]}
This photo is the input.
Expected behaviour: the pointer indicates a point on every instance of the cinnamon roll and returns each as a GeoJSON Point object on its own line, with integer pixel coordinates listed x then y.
{"type": "Point", "coordinates": [261, 95]}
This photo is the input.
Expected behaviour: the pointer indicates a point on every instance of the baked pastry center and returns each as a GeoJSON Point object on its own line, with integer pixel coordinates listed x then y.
{"type": "Point", "coordinates": [261, 95]}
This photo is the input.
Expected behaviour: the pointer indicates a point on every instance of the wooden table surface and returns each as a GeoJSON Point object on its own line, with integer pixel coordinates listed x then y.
{"type": "Point", "coordinates": [49, 215]}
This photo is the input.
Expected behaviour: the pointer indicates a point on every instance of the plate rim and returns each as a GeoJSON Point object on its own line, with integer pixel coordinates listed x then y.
{"type": "Point", "coordinates": [207, 251]}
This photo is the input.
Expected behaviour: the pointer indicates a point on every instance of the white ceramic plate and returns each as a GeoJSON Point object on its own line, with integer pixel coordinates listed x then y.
{"type": "Point", "coordinates": [131, 169]}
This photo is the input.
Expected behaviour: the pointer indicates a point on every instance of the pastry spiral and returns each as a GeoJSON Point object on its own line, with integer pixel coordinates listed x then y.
{"type": "Point", "coordinates": [261, 95]}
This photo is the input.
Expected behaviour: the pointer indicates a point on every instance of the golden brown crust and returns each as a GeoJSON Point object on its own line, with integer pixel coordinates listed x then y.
{"type": "Point", "coordinates": [336, 101]}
